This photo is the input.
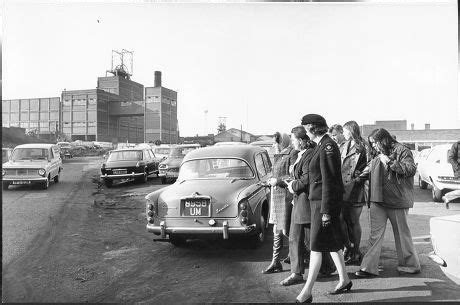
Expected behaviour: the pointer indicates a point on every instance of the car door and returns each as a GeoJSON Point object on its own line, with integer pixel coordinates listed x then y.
{"type": "Point", "coordinates": [422, 165]}
{"type": "Point", "coordinates": [263, 172]}
{"type": "Point", "coordinates": [155, 161]}
{"type": "Point", "coordinates": [52, 163]}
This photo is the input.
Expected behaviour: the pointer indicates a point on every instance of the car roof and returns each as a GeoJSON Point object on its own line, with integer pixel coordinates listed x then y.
{"type": "Point", "coordinates": [35, 145]}
{"type": "Point", "coordinates": [265, 142]}
{"type": "Point", "coordinates": [242, 151]}
{"type": "Point", "coordinates": [130, 149]}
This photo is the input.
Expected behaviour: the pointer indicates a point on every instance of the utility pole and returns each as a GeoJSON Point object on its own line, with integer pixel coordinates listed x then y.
{"type": "Point", "coordinates": [205, 121]}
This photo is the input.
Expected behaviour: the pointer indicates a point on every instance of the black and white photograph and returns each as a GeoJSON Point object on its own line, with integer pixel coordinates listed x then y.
{"type": "Point", "coordinates": [171, 152]}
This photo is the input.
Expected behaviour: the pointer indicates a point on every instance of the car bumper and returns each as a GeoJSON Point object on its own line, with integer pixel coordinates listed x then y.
{"type": "Point", "coordinates": [447, 184]}
{"type": "Point", "coordinates": [121, 176]}
{"type": "Point", "coordinates": [223, 230]}
{"type": "Point", "coordinates": [25, 180]}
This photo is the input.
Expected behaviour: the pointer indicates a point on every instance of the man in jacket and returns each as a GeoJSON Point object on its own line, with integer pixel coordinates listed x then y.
{"type": "Point", "coordinates": [454, 158]}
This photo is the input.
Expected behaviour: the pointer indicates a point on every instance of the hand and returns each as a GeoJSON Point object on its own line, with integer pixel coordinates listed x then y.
{"type": "Point", "coordinates": [272, 181]}
{"type": "Point", "coordinates": [384, 158]}
{"type": "Point", "coordinates": [326, 220]}
{"type": "Point", "coordinates": [289, 186]}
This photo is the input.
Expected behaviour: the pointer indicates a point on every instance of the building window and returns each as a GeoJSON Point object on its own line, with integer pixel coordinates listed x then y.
{"type": "Point", "coordinates": [54, 104]}
{"type": "Point", "coordinates": [6, 106]}
{"type": "Point", "coordinates": [66, 116]}
{"type": "Point", "coordinates": [79, 116]}
{"type": "Point", "coordinates": [34, 105]}
{"type": "Point", "coordinates": [44, 116]}
{"type": "Point", "coordinates": [14, 116]}
{"type": "Point", "coordinates": [54, 115]}
{"type": "Point", "coordinates": [34, 116]}
{"type": "Point", "coordinates": [15, 106]}
{"type": "Point", "coordinates": [24, 105]}
{"type": "Point", "coordinates": [44, 104]}
{"type": "Point", "coordinates": [24, 116]}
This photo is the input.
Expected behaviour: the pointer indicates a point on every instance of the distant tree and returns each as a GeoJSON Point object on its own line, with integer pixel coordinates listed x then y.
{"type": "Point", "coordinates": [221, 127]}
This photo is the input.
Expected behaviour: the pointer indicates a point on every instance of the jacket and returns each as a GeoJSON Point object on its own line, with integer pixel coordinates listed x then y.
{"type": "Point", "coordinates": [354, 160]}
{"type": "Point", "coordinates": [392, 185]}
{"type": "Point", "coordinates": [325, 176]}
{"type": "Point", "coordinates": [454, 158]}
{"type": "Point", "coordinates": [301, 213]}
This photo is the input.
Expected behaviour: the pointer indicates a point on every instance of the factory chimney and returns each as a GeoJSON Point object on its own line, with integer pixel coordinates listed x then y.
{"type": "Point", "coordinates": [157, 82]}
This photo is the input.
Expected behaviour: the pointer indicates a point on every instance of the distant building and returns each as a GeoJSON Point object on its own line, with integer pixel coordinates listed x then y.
{"type": "Point", "coordinates": [202, 140]}
{"type": "Point", "coordinates": [235, 135]}
{"type": "Point", "coordinates": [116, 111]}
{"type": "Point", "coordinates": [416, 139]}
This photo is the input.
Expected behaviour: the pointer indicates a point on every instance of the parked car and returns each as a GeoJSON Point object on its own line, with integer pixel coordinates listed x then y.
{"type": "Point", "coordinates": [219, 192]}
{"type": "Point", "coordinates": [6, 154]}
{"type": "Point", "coordinates": [32, 164]}
{"type": "Point", "coordinates": [161, 151]}
{"type": "Point", "coordinates": [421, 155]}
{"type": "Point", "coordinates": [169, 168]}
{"type": "Point", "coordinates": [435, 170]}
{"type": "Point", "coordinates": [229, 143]}
{"type": "Point", "coordinates": [129, 163]}
{"type": "Point", "coordinates": [268, 145]}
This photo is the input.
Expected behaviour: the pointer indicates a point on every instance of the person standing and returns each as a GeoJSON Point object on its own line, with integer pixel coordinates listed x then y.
{"type": "Point", "coordinates": [300, 217]}
{"type": "Point", "coordinates": [325, 195]}
{"type": "Point", "coordinates": [354, 160]}
{"type": "Point", "coordinates": [336, 133]}
{"type": "Point", "coordinates": [454, 158]}
{"type": "Point", "coordinates": [280, 203]}
{"type": "Point", "coordinates": [391, 186]}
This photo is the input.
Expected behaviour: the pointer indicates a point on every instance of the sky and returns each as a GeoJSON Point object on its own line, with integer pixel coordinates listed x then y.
{"type": "Point", "coordinates": [261, 65]}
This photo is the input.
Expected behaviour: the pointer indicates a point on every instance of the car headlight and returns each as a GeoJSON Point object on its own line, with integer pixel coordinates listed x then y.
{"type": "Point", "coordinates": [42, 172]}
{"type": "Point", "coordinates": [3, 172]}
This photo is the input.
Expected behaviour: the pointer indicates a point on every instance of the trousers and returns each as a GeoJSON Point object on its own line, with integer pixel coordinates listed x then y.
{"type": "Point", "coordinates": [408, 260]}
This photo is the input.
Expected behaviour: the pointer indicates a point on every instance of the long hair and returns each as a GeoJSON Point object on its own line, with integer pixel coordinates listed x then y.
{"type": "Point", "coordinates": [355, 132]}
{"type": "Point", "coordinates": [300, 133]}
{"type": "Point", "coordinates": [384, 138]}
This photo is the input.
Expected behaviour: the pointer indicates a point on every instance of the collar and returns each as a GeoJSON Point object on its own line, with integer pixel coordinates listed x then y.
{"type": "Point", "coordinates": [318, 139]}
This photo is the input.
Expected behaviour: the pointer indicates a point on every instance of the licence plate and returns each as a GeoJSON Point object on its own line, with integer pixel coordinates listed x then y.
{"type": "Point", "coordinates": [119, 171]}
{"type": "Point", "coordinates": [196, 208]}
{"type": "Point", "coordinates": [21, 182]}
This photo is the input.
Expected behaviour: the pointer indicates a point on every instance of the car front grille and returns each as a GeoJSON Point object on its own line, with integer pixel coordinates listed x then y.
{"type": "Point", "coordinates": [22, 172]}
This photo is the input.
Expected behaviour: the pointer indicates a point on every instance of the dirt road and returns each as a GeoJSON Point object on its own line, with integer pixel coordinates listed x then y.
{"type": "Point", "coordinates": [95, 248]}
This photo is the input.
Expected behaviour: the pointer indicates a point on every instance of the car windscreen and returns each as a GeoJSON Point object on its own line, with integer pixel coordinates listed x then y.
{"type": "Point", "coordinates": [30, 154]}
{"type": "Point", "coordinates": [215, 168]}
{"type": "Point", "coordinates": [179, 152]}
{"type": "Point", "coordinates": [125, 155]}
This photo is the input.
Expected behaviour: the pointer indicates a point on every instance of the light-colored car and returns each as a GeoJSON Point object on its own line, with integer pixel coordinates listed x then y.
{"type": "Point", "coordinates": [229, 143]}
{"type": "Point", "coordinates": [268, 145]}
{"type": "Point", "coordinates": [161, 151]}
{"type": "Point", "coordinates": [169, 168]}
{"type": "Point", "coordinates": [435, 170]}
{"type": "Point", "coordinates": [219, 193]}
{"type": "Point", "coordinates": [32, 164]}
{"type": "Point", "coordinates": [6, 154]}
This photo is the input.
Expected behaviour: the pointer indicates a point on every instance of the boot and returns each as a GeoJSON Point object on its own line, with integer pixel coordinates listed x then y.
{"type": "Point", "coordinates": [275, 265]}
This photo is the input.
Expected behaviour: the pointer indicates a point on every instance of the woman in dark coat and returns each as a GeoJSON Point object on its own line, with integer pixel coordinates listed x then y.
{"type": "Point", "coordinates": [325, 195]}
{"type": "Point", "coordinates": [280, 201]}
{"type": "Point", "coordinates": [300, 216]}
{"type": "Point", "coordinates": [354, 160]}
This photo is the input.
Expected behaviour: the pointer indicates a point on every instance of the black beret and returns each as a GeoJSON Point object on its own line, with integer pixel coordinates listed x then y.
{"type": "Point", "coordinates": [313, 118]}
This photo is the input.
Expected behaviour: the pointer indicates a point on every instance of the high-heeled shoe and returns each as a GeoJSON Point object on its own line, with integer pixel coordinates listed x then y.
{"type": "Point", "coordinates": [308, 300]}
{"type": "Point", "coordinates": [343, 289]}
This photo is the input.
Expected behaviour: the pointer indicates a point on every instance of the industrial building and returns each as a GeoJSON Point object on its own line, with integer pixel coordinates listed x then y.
{"type": "Point", "coordinates": [115, 111]}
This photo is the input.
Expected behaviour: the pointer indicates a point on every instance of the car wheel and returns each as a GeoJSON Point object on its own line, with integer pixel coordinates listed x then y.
{"type": "Point", "coordinates": [108, 182]}
{"type": "Point", "coordinates": [422, 184]}
{"type": "Point", "coordinates": [56, 178]}
{"type": "Point", "coordinates": [145, 178]}
{"type": "Point", "coordinates": [437, 194]}
{"type": "Point", "coordinates": [163, 180]}
{"type": "Point", "coordinates": [5, 185]}
{"type": "Point", "coordinates": [46, 184]}
{"type": "Point", "coordinates": [257, 239]}
{"type": "Point", "coordinates": [177, 241]}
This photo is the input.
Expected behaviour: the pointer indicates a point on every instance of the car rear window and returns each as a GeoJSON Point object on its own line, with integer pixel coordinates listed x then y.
{"type": "Point", "coordinates": [215, 168]}
{"type": "Point", "coordinates": [126, 155]}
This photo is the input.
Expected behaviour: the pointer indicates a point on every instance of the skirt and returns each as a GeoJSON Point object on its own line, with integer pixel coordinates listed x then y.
{"type": "Point", "coordinates": [324, 239]}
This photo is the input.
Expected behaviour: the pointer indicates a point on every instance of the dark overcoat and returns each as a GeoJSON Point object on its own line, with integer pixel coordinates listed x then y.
{"type": "Point", "coordinates": [301, 213]}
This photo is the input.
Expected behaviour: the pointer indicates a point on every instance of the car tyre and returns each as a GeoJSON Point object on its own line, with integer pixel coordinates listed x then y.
{"type": "Point", "coordinates": [437, 194]}
{"type": "Point", "coordinates": [163, 180]}
{"type": "Point", "coordinates": [422, 184]}
{"type": "Point", "coordinates": [56, 178]}
{"type": "Point", "coordinates": [46, 184]}
{"type": "Point", "coordinates": [5, 185]}
{"type": "Point", "coordinates": [177, 241]}
{"type": "Point", "coordinates": [145, 178]}
{"type": "Point", "coordinates": [108, 182]}
{"type": "Point", "coordinates": [258, 239]}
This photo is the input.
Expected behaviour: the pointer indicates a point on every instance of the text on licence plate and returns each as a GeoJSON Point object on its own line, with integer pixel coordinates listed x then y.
{"type": "Point", "coordinates": [21, 182]}
{"type": "Point", "coordinates": [196, 207]}
{"type": "Point", "coordinates": [119, 171]}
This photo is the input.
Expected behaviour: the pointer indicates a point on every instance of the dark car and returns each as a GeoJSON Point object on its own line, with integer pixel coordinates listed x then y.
{"type": "Point", "coordinates": [219, 193]}
{"type": "Point", "coordinates": [129, 163]}
{"type": "Point", "coordinates": [169, 168]}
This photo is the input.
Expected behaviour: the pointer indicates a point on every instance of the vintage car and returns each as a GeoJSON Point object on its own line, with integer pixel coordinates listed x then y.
{"type": "Point", "coordinates": [228, 143]}
{"type": "Point", "coordinates": [220, 192]}
{"type": "Point", "coordinates": [161, 151]}
{"type": "Point", "coordinates": [169, 168]}
{"type": "Point", "coordinates": [32, 164]}
{"type": "Point", "coordinates": [268, 145]}
{"type": "Point", "coordinates": [66, 149]}
{"type": "Point", "coordinates": [435, 170]}
{"type": "Point", "coordinates": [129, 163]}
{"type": "Point", "coordinates": [6, 154]}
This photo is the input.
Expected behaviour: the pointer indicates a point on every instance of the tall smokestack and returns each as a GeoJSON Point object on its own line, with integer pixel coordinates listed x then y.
{"type": "Point", "coordinates": [157, 82]}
